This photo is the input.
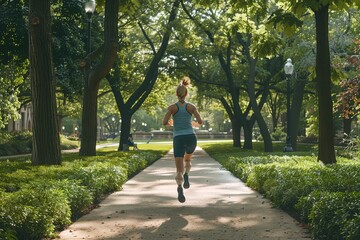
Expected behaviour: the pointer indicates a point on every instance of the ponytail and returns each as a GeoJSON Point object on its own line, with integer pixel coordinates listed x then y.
{"type": "Point", "coordinates": [181, 90]}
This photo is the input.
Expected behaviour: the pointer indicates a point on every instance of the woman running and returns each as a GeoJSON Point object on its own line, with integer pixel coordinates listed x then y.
{"type": "Point", "coordinates": [184, 138]}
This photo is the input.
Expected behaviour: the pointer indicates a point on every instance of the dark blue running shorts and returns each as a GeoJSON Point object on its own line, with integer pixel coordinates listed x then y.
{"type": "Point", "coordinates": [184, 143]}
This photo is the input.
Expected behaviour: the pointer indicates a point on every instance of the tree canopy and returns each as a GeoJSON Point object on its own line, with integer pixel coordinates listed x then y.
{"type": "Point", "coordinates": [234, 52]}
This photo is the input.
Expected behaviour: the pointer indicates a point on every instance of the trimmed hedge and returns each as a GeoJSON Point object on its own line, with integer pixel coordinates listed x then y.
{"type": "Point", "coordinates": [326, 197]}
{"type": "Point", "coordinates": [332, 215]}
{"type": "Point", "coordinates": [36, 201]}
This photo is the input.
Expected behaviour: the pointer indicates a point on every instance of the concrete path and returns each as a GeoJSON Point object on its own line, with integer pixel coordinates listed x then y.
{"type": "Point", "coordinates": [218, 206]}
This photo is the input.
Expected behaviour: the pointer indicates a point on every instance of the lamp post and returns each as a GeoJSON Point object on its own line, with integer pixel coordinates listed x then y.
{"type": "Point", "coordinates": [89, 9]}
{"type": "Point", "coordinates": [289, 69]}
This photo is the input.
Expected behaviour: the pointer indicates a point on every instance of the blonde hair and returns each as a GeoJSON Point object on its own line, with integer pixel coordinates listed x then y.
{"type": "Point", "coordinates": [181, 90]}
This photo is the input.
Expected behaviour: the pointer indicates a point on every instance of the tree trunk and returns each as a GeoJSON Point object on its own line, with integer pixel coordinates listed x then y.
{"type": "Point", "coordinates": [299, 88]}
{"type": "Point", "coordinates": [248, 131]}
{"type": "Point", "coordinates": [236, 128]}
{"type": "Point", "coordinates": [235, 122]}
{"type": "Point", "coordinates": [46, 140]}
{"type": "Point", "coordinates": [89, 119]}
{"type": "Point", "coordinates": [125, 129]}
{"type": "Point", "coordinates": [347, 126]}
{"type": "Point", "coordinates": [93, 77]}
{"type": "Point", "coordinates": [323, 77]}
{"type": "Point", "coordinates": [259, 119]}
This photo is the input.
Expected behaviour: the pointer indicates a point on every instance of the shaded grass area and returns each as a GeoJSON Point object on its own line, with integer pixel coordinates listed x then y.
{"type": "Point", "coordinates": [38, 201]}
{"type": "Point", "coordinates": [327, 198]}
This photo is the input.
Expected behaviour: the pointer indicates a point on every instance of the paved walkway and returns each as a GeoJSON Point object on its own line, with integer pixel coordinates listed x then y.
{"type": "Point", "coordinates": [218, 206]}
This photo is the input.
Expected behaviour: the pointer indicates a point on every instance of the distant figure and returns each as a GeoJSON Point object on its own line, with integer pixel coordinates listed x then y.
{"type": "Point", "coordinates": [151, 137]}
{"type": "Point", "coordinates": [131, 142]}
{"type": "Point", "coordinates": [184, 138]}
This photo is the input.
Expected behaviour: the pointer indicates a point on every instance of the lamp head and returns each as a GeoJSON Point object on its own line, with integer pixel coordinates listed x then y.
{"type": "Point", "coordinates": [289, 67]}
{"type": "Point", "coordinates": [90, 6]}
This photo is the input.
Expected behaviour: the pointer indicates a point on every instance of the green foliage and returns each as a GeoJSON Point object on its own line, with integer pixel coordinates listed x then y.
{"type": "Point", "coordinates": [11, 77]}
{"type": "Point", "coordinates": [7, 234]}
{"type": "Point", "coordinates": [78, 196]}
{"type": "Point", "coordinates": [284, 22]}
{"type": "Point", "coordinates": [332, 215]}
{"type": "Point", "coordinates": [35, 211]}
{"type": "Point", "coordinates": [21, 143]}
{"type": "Point", "coordinates": [15, 143]}
{"type": "Point", "coordinates": [35, 201]}
{"type": "Point", "coordinates": [327, 197]}
{"type": "Point", "coordinates": [100, 178]}
{"type": "Point", "coordinates": [278, 135]}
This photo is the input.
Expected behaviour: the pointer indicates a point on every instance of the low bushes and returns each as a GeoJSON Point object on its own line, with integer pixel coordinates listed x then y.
{"type": "Point", "coordinates": [35, 211]}
{"type": "Point", "coordinates": [325, 197]}
{"type": "Point", "coordinates": [13, 144]}
{"type": "Point", "coordinates": [333, 215]}
{"type": "Point", "coordinates": [36, 201]}
{"type": "Point", "coordinates": [21, 143]}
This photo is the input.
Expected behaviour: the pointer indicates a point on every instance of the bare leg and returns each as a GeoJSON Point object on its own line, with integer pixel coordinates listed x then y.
{"type": "Point", "coordinates": [187, 170]}
{"type": "Point", "coordinates": [179, 162]}
{"type": "Point", "coordinates": [187, 162]}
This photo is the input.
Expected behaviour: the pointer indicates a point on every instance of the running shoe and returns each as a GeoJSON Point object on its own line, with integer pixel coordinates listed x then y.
{"type": "Point", "coordinates": [186, 181]}
{"type": "Point", "coordinates": [181, 196]}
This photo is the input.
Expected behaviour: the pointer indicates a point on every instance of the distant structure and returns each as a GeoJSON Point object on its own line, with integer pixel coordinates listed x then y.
{"type": "Point", "coordinates": [24, 123]}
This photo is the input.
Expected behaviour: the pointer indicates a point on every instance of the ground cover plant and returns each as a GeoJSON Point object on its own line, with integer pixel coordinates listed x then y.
{"type": "Point", "coordinates": [327, 198]}
{"type": "Point", "coordinates": [37, 201]}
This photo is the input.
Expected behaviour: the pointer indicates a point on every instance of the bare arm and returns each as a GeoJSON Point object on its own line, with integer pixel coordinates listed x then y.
{"type": "Point", "coordinates": [197, 116]}
{"type": "Point", "coordinates": [194, 111]}
{"type": "Point", "coordinates": [167, 121]}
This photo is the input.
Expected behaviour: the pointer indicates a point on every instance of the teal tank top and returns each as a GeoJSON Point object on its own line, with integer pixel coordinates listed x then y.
{"type": "Point", "coordinates": [182, 121]}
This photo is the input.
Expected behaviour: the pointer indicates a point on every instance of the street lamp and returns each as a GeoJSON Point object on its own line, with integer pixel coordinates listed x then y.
{"type": "Point", "coordinates": [89, 9]}
{"type": "Point", "coordinates": [289, 69]}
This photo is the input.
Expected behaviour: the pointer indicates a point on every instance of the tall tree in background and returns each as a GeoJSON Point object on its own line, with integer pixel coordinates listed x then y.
{"type": "Point", "coordinates": [326, 146]}
{"type": "Point", "coordinates": [46, 140]}
{"type": "Point", "coordinates": [323, 78]}
{"type": "Point", "coordinates": [93, 76]}
{"type": "Point", "coordinates": [150, 74]}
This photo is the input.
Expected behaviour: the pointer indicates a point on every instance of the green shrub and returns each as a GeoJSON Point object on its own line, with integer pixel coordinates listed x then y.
{"type": "Point", "coordinates": [101, 178]}
{"type": "Point", "coordinates": [16, 143]}
{"type": "Point", "coordinates": [67, 143]}
{"type": "Point", "coordinates": [332, 215]}
{"type": "Point", "coordinates": [242, 167]}
{"type": "Point", "coordinates": [326, 197]}
{"type": "Point", "coordinates": [285, 182]}
{"type": "Point", "coordinates": [136, 163]}
{"type": "Point", "coordinates": [7, 235]}
{"type": "Point", "coordinates": [35, 212]}
{"type": "Point", "coordinates": [278, 135]}
{"type": "Point", "coordinates": [352, 149]}
{"type": "Point", "coordinates": [37, 200]}
{"type": "Point", "coordinates": [21, 143]}
{"type": "Point", "coordinates": [79, 197]}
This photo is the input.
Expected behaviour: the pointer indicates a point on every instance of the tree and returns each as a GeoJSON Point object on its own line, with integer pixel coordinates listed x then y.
{"type": "Point", "coordinates": [93, 76]}
{"type": "Point", "coordinates": [348, 99]}
{"type": "Point", "coordinates": [129, 106]}
{"type": "Point", "coordinates": [239, 39]}
{"type": "Point", "coordinates": [320, 9]}
{"type": "Point", "coordinates": [349, 102]}
{"type": "Point", "coordinates": [323, 77]}
{"type": "Point", "coordinates": [46, 140]}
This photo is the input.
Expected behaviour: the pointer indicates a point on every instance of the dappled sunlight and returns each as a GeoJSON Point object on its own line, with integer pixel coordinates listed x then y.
{"type": "Point", "coordinates": [218, 206]}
